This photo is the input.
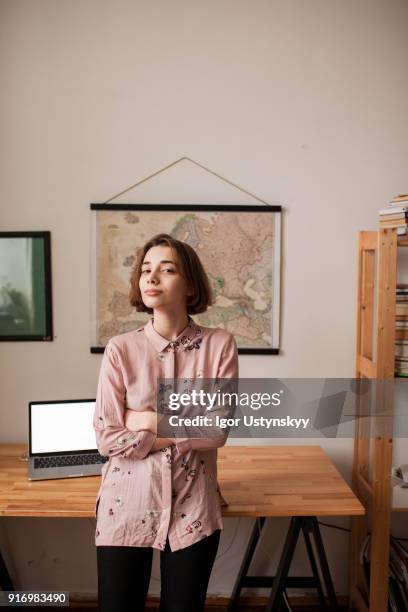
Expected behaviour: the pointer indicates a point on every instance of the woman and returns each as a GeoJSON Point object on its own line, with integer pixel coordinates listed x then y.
{"type": "Point", "coordinates": [158, 492]}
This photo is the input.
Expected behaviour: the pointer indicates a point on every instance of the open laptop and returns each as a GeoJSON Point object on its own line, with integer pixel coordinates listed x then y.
{"type": "Point", "coordinates": [62, 441]}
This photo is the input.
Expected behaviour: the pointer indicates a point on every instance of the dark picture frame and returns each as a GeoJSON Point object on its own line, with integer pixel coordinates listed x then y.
{"type": "Point", "coordinates": [25, 287]}
{"type": "Point", "coordinates": [109, 243]}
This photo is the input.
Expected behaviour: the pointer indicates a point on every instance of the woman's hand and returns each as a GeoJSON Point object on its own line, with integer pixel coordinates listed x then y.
{"type": "Point", "coordinates": [144, 420]}
{"type": "Point", "coordinates": [160, 443]}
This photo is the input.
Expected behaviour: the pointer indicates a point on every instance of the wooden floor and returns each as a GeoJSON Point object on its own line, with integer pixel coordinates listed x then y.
{"type": "Point", "coordinates": [248, 604]}
{"type": "Point", "coordinates": [243, 608]}
{"type": "Point", "coordinates": [221, 609]}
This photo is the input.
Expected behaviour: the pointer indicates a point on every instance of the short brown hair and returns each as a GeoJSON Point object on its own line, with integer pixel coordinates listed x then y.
{"type": "Point", "coordinates": [193, 270]}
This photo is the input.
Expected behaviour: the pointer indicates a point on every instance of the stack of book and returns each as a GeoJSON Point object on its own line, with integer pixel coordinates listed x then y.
{"type": "Point", "coordinates": [395, 214]}
{"type": "Point", "coordinates": [401, 331]}
{"type": "Point", "coordinates": [398, 585]}
{"type": "Point", "coordinates": [365, 555]}
{"type": "Point", "coordinates": [398, 573]}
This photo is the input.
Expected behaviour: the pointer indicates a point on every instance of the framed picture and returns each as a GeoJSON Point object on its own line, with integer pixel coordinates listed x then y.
{"type": "Point", "coordinates": [25, 286]}
{"type": "Point", "coordinates": [239, 246]}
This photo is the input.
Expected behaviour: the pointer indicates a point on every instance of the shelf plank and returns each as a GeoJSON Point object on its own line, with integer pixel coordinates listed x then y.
{"type": "Point", "coordinates": [366, 367]}
{"type": "Point", "coordinates": [382, 246]}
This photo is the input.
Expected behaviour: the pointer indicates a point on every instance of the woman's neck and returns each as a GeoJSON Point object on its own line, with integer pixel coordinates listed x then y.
{"type": "Point", "coordinates": [169, 325]}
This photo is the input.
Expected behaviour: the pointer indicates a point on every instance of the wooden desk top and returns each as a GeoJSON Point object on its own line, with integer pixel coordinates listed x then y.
{"type": "Point", "coordinates": [254, 480]}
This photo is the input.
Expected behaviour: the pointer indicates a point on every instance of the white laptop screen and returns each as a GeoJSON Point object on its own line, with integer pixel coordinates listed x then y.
{"type": "Point", "coordinates": [62, 427]}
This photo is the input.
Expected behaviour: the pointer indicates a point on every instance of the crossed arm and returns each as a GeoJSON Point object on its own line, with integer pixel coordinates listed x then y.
{"type": "Point", "coordinates": [130, 433]}
{"type": "Point", "coordinates": [146, 421]}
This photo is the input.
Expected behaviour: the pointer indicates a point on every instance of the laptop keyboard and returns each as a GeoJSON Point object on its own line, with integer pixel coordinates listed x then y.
{"type": "Point", "coordinates": [64, 460]}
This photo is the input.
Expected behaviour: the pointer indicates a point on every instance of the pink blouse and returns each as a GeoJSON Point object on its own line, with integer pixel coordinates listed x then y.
{"type": "Point", "coordinates": [144, 496]}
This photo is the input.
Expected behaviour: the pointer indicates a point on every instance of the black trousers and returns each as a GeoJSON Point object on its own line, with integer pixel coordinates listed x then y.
{"type": "Point", "coordinates": [124, 576]}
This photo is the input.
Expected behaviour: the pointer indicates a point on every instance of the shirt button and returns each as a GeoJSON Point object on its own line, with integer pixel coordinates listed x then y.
{"type": "Point", "coordinates": [160, 356]}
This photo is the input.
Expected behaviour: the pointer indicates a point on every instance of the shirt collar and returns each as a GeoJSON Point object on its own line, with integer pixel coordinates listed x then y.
{"type": "Point", "coordinates": [188, 335]}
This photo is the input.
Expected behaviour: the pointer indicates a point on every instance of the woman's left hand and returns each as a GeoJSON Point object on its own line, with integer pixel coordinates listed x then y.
{"type": "Point", "coordinates": [138, 421]}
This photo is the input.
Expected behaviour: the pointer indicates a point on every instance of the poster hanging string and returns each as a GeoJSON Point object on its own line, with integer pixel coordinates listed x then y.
{"type": "Point", "coordinates": [222, 178]}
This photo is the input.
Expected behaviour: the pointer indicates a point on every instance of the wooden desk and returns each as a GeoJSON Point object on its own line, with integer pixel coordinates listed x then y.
{"type": "Point", "coordinates": [256, 481]}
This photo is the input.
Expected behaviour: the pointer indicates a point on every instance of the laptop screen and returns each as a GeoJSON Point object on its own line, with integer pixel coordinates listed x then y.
{"type": "Point", "coordinates": [60, 427]}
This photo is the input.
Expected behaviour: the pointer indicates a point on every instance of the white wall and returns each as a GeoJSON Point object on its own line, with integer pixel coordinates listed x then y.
{"type": "Point", "coordinates": [302, 103]}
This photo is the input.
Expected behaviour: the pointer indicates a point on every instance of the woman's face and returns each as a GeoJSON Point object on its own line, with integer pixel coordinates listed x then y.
{"type": "Point", "coordinates": [162, 275]}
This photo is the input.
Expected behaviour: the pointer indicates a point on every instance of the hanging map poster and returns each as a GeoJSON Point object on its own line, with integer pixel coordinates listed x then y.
{"type": "Point", "coordinates": [238, 245]}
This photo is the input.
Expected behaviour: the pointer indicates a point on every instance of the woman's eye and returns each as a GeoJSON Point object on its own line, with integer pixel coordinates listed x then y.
{"type": "Point", "coordinates": [164, 270]}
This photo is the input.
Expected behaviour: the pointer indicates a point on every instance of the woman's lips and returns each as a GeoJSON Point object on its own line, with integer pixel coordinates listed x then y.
{"type": "Point", "coordinates": [153, 292]}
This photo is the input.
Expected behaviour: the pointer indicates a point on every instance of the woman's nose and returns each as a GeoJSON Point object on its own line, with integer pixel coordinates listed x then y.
{"type": "Point", "coordinates": [152, 278]}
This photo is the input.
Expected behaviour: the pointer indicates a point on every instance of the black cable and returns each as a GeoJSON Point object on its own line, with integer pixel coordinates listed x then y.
{"type": "Point", "coordinates": [334, 526]}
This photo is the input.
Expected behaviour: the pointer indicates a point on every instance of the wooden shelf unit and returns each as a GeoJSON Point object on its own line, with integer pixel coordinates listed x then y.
{"type": "Point", "coordinates": [375, 357]}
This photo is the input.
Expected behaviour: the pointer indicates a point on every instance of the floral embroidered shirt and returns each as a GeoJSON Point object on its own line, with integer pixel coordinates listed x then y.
{"type": "Point", "coordinates": [148, 496]}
